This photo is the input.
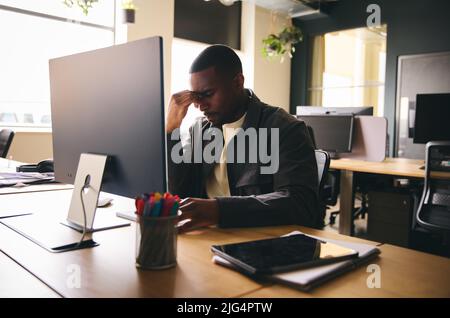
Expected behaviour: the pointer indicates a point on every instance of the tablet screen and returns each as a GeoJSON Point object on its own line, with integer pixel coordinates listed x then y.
{"type": "Point", "coordinates": [282, 253]}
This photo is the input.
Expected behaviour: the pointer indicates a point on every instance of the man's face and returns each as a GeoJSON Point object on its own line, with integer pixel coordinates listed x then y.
{"type": "Point", "coordinates": [216, 95]}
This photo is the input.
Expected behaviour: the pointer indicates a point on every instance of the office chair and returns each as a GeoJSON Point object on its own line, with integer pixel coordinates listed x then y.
{"type": "Point", "coordinates": [328, 181]}
{"type": "Point", "coordinates": [361, 193]}
{"type": "Point", "coordinates": [433, 212]}
{"type": "Point", "coordinates": [311, 135]}
{"type": "Point", "coordinates": [323, 164]}
{"type": "Point", "coordinates": [6, 138]}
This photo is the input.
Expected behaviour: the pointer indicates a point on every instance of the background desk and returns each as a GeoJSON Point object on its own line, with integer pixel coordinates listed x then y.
{"type": "Point", "coordinates": [401, 167]}
{"type": "Point", "coordinates": [109, 270]}
{"type": "Point", "coordinates": [7, 165]}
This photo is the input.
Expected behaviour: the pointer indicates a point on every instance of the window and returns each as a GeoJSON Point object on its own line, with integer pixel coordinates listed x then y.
{"type": "Point", "coordinates": [348, 69]}
{"type": "Point", "coordinates": [36, 32]}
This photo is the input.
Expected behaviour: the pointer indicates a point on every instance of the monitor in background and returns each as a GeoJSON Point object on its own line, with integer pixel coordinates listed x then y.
{"type": "Point", "coordinates": [319, 110]}
{"type": "Point", "coordinates": [432, 118]}
{"type": "Point", "coordinates": [110, 101]}
{"type": "Point", "coordinates": [332, 133]}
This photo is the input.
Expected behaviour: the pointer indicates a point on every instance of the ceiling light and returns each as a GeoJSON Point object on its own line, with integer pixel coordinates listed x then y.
{"type": "Point", "coordinates": [227, 2]}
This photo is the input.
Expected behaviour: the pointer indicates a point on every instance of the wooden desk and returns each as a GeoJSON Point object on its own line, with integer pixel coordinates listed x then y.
{"type": "Point", "coordinates": [282, 230]}
{"type": "Point", "coordinates": [404, 273]}
{"type": "Point", "coordinates": [109, 270]}
{"type": "Point", "coordinates": [391, 166]}
{"type": "Point", "coordinates": [7, 165]}
{"type": "Point", "coordinates": [36, 188]}
{"type": "Point", "coordinates": [17, 282]}
{"type": "Point", "coordinates": [408, 168]}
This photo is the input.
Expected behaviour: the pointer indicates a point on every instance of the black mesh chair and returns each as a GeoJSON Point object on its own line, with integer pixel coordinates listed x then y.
{"type": "Point", "coordinates": [433, 212]}
{"type": "Point", "coordinates": [323, 164]}
{"type": "Point", "coordinates": [329, 180]}
{"type": "Point", "coordinates": [6, 138]}
{"type": "Point", "coordinates": [331, 186]}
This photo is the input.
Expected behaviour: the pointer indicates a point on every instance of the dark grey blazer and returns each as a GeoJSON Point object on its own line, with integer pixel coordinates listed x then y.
{"type": "Point", "coordinates": [290, 196]}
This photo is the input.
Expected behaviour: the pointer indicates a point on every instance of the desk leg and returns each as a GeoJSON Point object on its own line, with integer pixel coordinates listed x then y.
{"type": "Point", "coordinates": [347, 201]}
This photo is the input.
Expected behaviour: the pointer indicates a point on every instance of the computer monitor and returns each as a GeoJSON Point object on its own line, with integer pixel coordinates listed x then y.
{"type": "Point", "coordinates": [432, 118]}
{"type": "Point", "coordinates": [319, 110]}
{"type": "Point", "coordinates": [110, 101]}
{"type": "Point", "coordinates": [332, 133]}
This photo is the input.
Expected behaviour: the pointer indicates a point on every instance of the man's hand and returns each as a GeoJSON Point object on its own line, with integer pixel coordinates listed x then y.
{"type": "Point", "coordinates": [178, 107]}
{"type": "Point", "coordinates": [201, 212]}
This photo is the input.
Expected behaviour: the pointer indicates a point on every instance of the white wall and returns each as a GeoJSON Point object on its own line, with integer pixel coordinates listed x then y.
{"type": "Point", "coordinates": [272, 78]}
{"type": "Point", "coordinates": [248, 42]}
{"type": "Point", "coordinates": [156, 17]}
{"type": "Point", "coordinates": [269, 79]}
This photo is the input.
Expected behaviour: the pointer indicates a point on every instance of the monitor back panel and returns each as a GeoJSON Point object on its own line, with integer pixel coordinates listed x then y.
{"type": "Point", "coordinates": [331, 132]}
{"type": "Point", "coordinates": [369, 139]}
{"type": "Point", "coordinates": [110, 101]}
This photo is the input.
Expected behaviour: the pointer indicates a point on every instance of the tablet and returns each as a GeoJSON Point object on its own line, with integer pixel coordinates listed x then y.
{"type": "Point", "coordinates": [282, 254]}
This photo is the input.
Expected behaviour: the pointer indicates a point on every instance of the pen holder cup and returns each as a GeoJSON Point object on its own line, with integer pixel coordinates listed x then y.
{"type": "Point", "coordinates": [156, 242]}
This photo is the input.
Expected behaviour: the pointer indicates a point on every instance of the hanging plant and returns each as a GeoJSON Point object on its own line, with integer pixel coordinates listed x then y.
{"type": "Point", "coordinates": [129, 11]}
{"type": "Point", "coordinates": [277, 45]}
{"type": "Point", "coordinates": [85, 5]}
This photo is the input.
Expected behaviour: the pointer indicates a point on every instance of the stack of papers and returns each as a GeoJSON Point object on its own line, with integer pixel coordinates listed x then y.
{"type": "Point", "coordinates": [9, 179]}
{"type": "Point", "coordinates": [305, 279]}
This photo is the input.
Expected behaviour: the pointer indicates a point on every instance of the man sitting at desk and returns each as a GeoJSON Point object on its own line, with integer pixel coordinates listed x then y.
{"type": "Point", "coordinates": [228, 192]}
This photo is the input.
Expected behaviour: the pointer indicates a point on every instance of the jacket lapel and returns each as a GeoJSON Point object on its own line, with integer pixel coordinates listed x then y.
{"type": "Point", "coordinates": [238, 172]}
{"type": "Point", "coordinates": [207, 167]}
{"type": "Point", "coordinates": [235, 171]}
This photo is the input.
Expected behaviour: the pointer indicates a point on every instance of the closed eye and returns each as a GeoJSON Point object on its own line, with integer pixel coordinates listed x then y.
{"type": "Point", "coordinates": [205, 94]}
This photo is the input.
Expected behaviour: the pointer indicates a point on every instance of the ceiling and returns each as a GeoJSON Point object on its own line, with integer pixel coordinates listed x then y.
{"type": "Point", "coordinates": [295, 8]}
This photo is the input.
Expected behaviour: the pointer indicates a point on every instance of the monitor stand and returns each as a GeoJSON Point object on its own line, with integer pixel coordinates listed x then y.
{"type": "Point", "coordinates": [50, 235]}
{"type": "Point", "coordinates": [83, 206]}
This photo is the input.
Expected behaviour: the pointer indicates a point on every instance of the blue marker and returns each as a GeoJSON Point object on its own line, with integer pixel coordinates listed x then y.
{"type": "Point", "coordinates": [156, 209]}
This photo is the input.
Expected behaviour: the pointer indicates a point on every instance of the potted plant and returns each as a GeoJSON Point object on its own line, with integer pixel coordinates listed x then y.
{"type": "Point", "coordinates": [129, 11]}
{"type": "Point", "coordinates": [277, 45]}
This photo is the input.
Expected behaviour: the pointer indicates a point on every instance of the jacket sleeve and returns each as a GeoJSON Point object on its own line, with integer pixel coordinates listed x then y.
{"type": "Point", "coordinates": [182, 171]}
{"type": "Point", "coordinates": [295, 196]}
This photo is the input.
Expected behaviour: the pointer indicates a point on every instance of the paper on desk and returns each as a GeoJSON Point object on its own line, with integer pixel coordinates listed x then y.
{"type": "Point", "coordinates": [12, 178]}
{"type": "Point", "coordinates": [309, 277]}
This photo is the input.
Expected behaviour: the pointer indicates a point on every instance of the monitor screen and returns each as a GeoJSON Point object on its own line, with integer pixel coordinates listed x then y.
{"type": "Point", "coordinates": [319, 110]}
{"type": "Point", "coordinates": [110, 101]}
{"type": "Point", "coordinates": [432, 118]}
{"type": "Point", "coordinates": [332, 133]}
